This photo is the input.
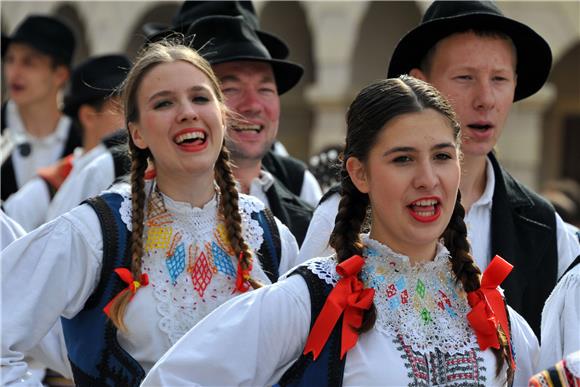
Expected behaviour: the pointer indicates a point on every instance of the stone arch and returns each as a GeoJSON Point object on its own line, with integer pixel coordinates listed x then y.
{"type": "Point", "coordinates": [561, 126]}
{"type": "Point", "coordinates": [161, 12]}
{"type": "Point", "coordinates": [287, 20]}
{"type": "Point", "coordinates": [383, 25]}
{"type": "Point", "coordinates": [69, 13]}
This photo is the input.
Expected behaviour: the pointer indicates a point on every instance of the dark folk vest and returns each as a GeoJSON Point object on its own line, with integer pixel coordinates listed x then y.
{"type": "Point", "coordinates": [523, 232]}
{"type": "Point", "coordinates": [96, 357]}
{"type": "Point", "coordinates": [328, 369]}
{"type": "Point", "coordinates": [288, 170]}
{"type": "Point", "coordinates": [8, 180]}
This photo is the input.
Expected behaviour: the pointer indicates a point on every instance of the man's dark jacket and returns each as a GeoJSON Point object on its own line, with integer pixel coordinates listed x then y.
{"type": "Point", "coordinates": [523, 231]}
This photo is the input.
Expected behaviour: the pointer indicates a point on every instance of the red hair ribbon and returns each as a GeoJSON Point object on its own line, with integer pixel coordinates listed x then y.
{"type": "Point", "coordinates": [127, 277]}
{"type": "Point", "coordinates": [243, 276]}
{"type": "Point", "coordinates": [150, 173]}
{"type": "Point", "coordinates": [348, 296]}
{"type": "Point", "coordinates": [488, 306]}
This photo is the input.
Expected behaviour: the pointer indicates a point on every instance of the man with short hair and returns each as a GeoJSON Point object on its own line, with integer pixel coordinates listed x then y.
{"type": "Point", "coordinates": [92, 104]}
{"type": "Point", "coordinates": [35, 133]}
{"type": "Point", "coordinates": [483, 62]}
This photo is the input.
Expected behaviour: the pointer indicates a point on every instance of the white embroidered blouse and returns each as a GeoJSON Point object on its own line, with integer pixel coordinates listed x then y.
{"type": "Point", "coordinates": [52, 271]}
{"type": "Point", "coordinates": [421, 335]}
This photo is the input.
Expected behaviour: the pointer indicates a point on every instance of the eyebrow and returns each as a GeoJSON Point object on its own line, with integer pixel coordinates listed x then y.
{"type": "Point", "coordinates": [164, 93]}
{"type": "Point", "coordinates": [402, 149]}
{"type": "Point", "coordinates": [233, 78]}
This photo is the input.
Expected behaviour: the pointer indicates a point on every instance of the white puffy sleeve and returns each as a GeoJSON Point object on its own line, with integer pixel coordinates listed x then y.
{"type": "Point", "coordinates": [46, 274]}
{"type": "Point", "coordinates": [289, 248]}
{"type": "Point", "coordinates": [525, 346]}
{"type": "Point", "coordinates": [561, 321]}
{"type": "Point", "coordinates": [251, 340]}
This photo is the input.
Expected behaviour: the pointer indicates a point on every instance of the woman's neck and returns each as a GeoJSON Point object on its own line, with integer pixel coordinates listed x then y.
{"type": "Point", "coordinates": [416, 253]}
{"type": "Point", "coordinates": [195, 190]}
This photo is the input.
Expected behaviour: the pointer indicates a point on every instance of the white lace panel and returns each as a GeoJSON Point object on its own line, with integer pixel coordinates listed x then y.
{"type": "Point", "coordinates": [420, 303]}
{"type": "Point", "coordinates": [188, 258]}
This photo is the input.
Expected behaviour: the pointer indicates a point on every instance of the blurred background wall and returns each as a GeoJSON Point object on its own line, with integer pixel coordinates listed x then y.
{"type": "Point", "coordinates": [345, 45]}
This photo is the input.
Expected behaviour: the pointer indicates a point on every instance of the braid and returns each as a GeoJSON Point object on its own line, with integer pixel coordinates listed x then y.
{"type": "Point", "coordinates": [467, 272]}
{"type": "Point", "coordinates": [345, 238]}
{"type": "Point", "coordinates": [138, 167]}
{"type": "Point", "coordinates": [231, 213]}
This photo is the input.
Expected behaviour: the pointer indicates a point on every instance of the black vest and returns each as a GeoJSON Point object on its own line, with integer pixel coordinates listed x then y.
{"type": "Point", "coordinates": [8, 180]}
{"type": "Point", "coordinates": [290, 209]}
{"type": "Point", "coordinates": [288, 170]}
{"type": "Point", "coordinates": [523, 232]}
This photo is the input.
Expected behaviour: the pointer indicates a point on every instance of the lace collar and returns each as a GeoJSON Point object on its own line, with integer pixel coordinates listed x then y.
{"type": "Point", "coordinates": [421, 304]}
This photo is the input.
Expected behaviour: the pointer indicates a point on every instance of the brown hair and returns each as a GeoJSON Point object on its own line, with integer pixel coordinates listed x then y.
{"type": "Point", "coordinates": [370, 111]}
{"type": "Point", "coordinates": [151, 56]}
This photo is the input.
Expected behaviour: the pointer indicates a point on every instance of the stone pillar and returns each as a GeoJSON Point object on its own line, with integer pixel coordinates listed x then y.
{"type": "Point", "coordinates": [334, 27]}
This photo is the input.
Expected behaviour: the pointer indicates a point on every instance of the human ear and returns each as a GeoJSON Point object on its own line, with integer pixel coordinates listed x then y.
{"type": "Point", "coordinates": [417, 73]}
{"type": "Point", "coordinates": [135, 131]}
{"type": "Point", "coordinates": [358, 175]}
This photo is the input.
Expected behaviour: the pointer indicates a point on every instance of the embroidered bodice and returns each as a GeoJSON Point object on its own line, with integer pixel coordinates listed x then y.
{"type": "Point", "coordinates": [423, 309]}
{"type": "Point", "coordinates": [188, 257]}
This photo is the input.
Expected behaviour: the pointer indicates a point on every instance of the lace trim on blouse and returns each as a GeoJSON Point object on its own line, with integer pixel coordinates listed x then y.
{"type": "Point", "coordinates": [188, 257]}
{"type": "Point", "coordinates": [421, 304]}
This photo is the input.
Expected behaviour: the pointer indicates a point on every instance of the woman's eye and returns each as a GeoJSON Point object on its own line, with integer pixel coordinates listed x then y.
{"type": "Point", "coordinates": [200, 99]}
{"type": "Point", "coordinates": [161, 104]}
{"type": "Point", "coordinates": [402, 159]}
{"type": "Point", "coordinates": [443, 156]}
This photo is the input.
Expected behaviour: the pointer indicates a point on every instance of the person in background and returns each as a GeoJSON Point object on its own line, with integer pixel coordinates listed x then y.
{"type": "Point", "coordinates": [36, 61]}
{"type": "Point", "coordinates": [93, 105]}
{"type": "Point", "coordinates": [401, 305]}
{"type": "Point", "coordinates": [136, 267]}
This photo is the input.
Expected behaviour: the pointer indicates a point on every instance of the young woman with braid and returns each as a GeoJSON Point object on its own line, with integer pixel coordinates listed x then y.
{"type": "Point", "coordinates": [133, 269]}
{"type": "Point", "coordinates": [400, 305]}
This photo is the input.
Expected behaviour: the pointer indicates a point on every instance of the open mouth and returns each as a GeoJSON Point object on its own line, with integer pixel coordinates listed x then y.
{"type": "Point", "coordinates": [480, 127]}
{"type": "Point", "coordinates": [425, 209]}
{"type": "Point", "coordinates": [191, 138]}
{"type": "Point", "coordinates": [245, 128]}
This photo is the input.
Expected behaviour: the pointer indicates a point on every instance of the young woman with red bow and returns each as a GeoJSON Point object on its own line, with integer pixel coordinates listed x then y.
{"type": "Point", "coordinates": [400, 305]}
{"type": "Point", "coordinates": [134, 269]}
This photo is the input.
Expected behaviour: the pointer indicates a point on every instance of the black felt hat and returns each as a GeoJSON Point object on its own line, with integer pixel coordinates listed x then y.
{"type": "Point", "coordinates": [95, 79]}
{"type": "Point", "coordinates": [221, 39]}
{"type": "Point", "coordinates": [191, 11]}
{"type": "Point", "coordinates": [46, 34]}
{"type": "Point", "coordinates": [443, 18]}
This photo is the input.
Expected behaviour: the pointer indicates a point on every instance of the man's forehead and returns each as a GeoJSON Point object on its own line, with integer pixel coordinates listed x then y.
{"type": "Point", "coordinates": [25, 49]}
{"type": "Point", "coordinates": [238, 70]}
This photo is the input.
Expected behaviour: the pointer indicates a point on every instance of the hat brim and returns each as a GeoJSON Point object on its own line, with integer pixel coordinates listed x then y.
{"type": "Point", "coordinates": [534, 57]}
{"type": "Point", "coordinates": [286, 73]}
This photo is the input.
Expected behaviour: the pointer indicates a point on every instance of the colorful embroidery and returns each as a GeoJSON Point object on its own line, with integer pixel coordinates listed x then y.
{"type": "Point", "coordinates": [222, 260]}
{"type": "Point", "coordinates": [201, 273]}
{"type": "Point", "coordinates": [158, 238]}
{"type": "Point", "coordinates": [439, 368]}
{"type": "Point", "coordinates": [176, 263]}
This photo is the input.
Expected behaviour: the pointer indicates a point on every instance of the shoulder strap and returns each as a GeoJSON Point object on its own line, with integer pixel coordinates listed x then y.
{"type": "Point", "coordinates": [270, 252]}
{"type": "Point", "coordinates": [572, 265]}
{"type": "Point", "coordinates": [335, 189]}
{"type": "Point", "coordinates": [328, 369]}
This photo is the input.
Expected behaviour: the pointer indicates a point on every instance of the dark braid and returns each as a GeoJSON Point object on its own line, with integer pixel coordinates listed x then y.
{"type": "Point", "coordinates": [138, 166]}
{"type": "Point", "coordinates": [230, 211]}
{"type": "Point", "coordinates": [467, 272]}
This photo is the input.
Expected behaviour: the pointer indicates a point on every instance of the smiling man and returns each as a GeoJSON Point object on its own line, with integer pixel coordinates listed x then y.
{"type": "Point", "coordinates": [35, 133]}
{"type": "Point", "coordinates": [483, 62]}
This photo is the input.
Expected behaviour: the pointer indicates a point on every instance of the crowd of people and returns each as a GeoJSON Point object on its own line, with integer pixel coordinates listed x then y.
{"type": "Point", "coordinates": [154, 232]}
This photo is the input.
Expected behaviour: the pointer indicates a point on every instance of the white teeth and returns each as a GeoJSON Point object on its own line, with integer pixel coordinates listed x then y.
{"type": "Point", "coordinates": [190, 136]}
{"type": "Point", "coordinates": [244, 128]}
{"type": "Point", "coordinates": [425, 213]}
{"type": "Point", "coordinates": [427, 202]}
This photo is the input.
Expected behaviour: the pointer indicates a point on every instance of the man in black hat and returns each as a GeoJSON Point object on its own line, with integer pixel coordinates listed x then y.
{"type": "Point", "coordinates": [252, 82]}
{"type": "Point", "coordinates": [484, 62]}
{"type": "Point", "coordinates": [93, 104]}
{"type": "Point", "coordinates": [35, 133]}
{"type": "Point", "coordinates": [289, 171]}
